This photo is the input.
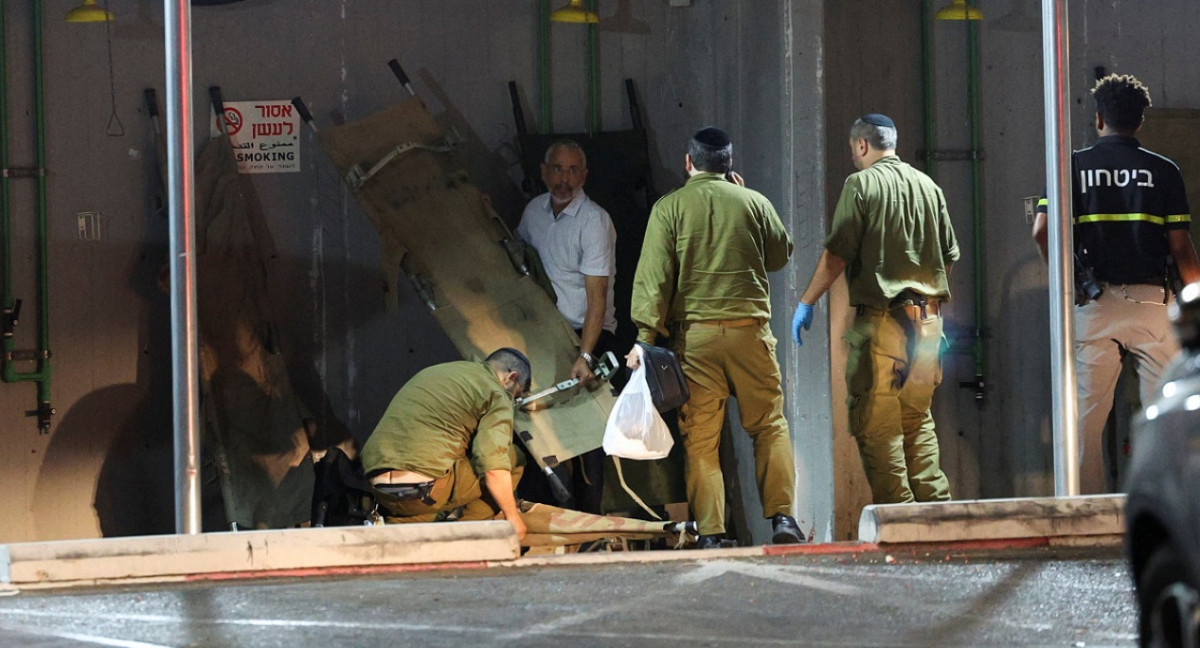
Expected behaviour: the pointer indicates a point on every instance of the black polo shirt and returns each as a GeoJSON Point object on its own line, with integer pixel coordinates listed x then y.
{"type": "Point", "coordinates": [1125, 200]}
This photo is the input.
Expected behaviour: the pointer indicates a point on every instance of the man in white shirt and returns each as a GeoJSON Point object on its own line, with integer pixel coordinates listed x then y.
{"type": "Point", "coordinates": [577, 243]}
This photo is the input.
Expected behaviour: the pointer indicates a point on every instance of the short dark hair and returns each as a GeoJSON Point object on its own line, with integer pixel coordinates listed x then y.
{"type": "Point", "coordinates": [713, 159]}
{"type": "Point", "coordinates": [1121, 100]}
{"type": "Point", "coordinates": [880, 138]}
{"type": "Point", "coordinates": [508, 359]}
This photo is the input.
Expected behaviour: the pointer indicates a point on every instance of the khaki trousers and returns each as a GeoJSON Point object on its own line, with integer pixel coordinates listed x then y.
{"type": "Point", "coordinates": [1130, 319]}
{"type": "Point", "coordinates": [461, 487]}
{"type": "Point", "coordinates": [736, 360]}
{"type": "Point", "coordinates": [892, 368]}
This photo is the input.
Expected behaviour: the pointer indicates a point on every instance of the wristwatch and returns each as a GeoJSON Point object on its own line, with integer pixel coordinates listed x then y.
{"type": "Point", "coordinates": [587, 357]}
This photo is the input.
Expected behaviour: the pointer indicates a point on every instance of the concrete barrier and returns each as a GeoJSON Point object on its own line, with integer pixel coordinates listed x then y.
{"type": "Point", "coordinates": [971, 520]}
{"type": "Point", "coordinates": [254, 552]}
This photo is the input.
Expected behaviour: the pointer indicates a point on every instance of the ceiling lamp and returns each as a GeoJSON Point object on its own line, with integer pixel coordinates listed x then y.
{"type": "Point", "coordinates": [87, 12]}
{"type": "Point", "coordinates": [574, 13]}
{"type": "Point", "coordinates": [958, 10]}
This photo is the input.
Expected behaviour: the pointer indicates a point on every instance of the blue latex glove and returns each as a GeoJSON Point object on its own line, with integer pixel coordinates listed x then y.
{"type": "Point", "coordinates": [802, 319]}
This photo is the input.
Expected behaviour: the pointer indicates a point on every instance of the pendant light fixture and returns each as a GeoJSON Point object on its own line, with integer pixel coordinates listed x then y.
{"type": "Point", "coordinates": [959, 10]}
{"type": "Point", "coordinates": [574, 13]}
{"type": "Point", "coordinates": [88, 11]}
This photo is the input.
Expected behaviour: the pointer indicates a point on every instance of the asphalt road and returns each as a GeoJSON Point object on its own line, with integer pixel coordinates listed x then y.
{"type": "Point", "coordinates": [1035, 597]}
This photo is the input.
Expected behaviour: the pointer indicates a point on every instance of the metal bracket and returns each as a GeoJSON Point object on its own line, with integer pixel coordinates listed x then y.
{"type": "Point", "coordinates": [24, 172]}
{"type": "Point", "coordinates": [951, 155]}
{"type": "Point", "coordinates": [43, 414]}
{"type": "Point", "coordinates": [606, 367]}
{"type": "Point", "coordinates": [424, 288]}
{"type": "Point", "coordinates": [356, 177]}
{"type": "Point", "coordinates": [10, 317]}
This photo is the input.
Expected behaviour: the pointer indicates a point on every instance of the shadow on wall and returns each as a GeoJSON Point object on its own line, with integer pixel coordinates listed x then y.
{"type": "Point", "coordinates": [107, 432]}
{"type": "Point", "coordinates": [1025, 455]}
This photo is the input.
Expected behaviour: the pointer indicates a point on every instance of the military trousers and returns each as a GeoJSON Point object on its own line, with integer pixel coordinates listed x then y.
{"type": "Point", "coordinates": [459, 488]}
{"type": "Point", "coordinates": [719, 360]}
{"type": "Point", "coordinates": [1124, 319]}
{"type": "Point", "coordinates": [892, 369]}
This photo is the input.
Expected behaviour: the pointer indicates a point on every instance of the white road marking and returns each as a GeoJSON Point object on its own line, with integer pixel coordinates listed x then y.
{"type": "Point", "coordinates": [90, 639]}
{"type": "Point", "coordinates": [778, 573]}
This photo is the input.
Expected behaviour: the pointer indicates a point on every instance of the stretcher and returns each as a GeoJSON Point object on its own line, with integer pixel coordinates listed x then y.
{"type": "Point", "coordinates": [440, 234]}
{"type": "Point", "coordinates": [255, 427]}
{"type": "Point", "coordinates": [549, 526]}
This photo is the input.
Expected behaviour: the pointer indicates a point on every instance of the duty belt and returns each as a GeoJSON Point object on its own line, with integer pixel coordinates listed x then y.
{"type": "Point", "coordinates": [730, 323]}
{"type": "Point", "coordinates": [422, 492]}
{"type": "Point", "coordinates": [907, 299]}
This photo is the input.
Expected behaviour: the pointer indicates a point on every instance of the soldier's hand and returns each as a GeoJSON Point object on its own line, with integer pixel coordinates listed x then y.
{"type": "Point", "coordinates": [736, 178]}
{"type": "Point", "coordinates": [582, 371]}
{"type": "Point", "coordinates": [518, 524]}
{"type": "Point", "coordinates": [802, 319]}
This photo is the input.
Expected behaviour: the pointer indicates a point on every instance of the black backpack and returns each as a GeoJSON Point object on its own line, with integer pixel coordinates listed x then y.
{"type": "Point", "coordinates": [668, 387]}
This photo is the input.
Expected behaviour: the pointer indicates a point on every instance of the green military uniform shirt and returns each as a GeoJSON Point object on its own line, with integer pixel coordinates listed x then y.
{"type": "Point", "coordinates": [441, 414]}
{"type": "Point", "coordinates": [892, 229]}
{"type": "Point", "coordinates": [708, 248]}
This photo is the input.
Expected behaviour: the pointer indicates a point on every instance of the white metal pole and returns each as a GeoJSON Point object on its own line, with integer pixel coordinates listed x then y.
{"type": "Point", "coordinates": [1059, 219]}
{"type": "Point", "coordinates": [182, 234]}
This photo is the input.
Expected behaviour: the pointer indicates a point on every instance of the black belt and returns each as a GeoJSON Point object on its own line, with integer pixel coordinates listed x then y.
{"type": "Point", "coordinates": [422, 492]}
{"type": "Point", "coordinates": [906, 299]}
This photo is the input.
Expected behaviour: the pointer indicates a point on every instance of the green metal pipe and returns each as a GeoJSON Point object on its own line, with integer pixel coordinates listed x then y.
{"type": "Point", "coordinates": [927, 111]}
{"type": "Point", "coordinates": [5, 216]}
{"type": "Point", "coordinates": [593, 72]}
{"type": "Point", "coordinates": [545, 123]}
{"type": "Point", "coordinates": [42, 354]}
{"type": "Point", "coordinates": [43, 228]}
{"type": "Point", "coordinates": [976, 196]}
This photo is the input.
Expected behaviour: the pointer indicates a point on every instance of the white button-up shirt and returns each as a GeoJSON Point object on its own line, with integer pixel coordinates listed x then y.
{"type": "Point", "coordinates": [579, 242]}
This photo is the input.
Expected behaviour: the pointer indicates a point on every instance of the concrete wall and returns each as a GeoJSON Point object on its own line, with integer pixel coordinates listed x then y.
{"type": "Point", "coordinates": [105, 467]}
{"type": "Point", "coordinates": [786, 78]}
{"type": "Point", "coordinates": [1003, 448]}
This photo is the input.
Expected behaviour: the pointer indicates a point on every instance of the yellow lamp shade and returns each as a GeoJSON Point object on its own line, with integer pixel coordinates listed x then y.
{"type": "Point", "coordinates": [89, 11]}
{"type": "Point", "coordinates": [574, 13]}
{"type": "Point", "coordinates": [958, 10]}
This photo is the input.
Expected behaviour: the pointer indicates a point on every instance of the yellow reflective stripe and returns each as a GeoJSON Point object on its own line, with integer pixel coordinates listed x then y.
{"type": "Point", "coordinates": [1043, 202]}
{"type": "Point", "coordinates": [1179, 218]}
{"type": "Point", "coordinates": [1120, 218]}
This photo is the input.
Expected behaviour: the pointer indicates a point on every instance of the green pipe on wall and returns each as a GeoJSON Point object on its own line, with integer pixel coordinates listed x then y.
{"type": "Point", "coordinates": [976, 205]}
{"type": "Point", "coordinates": [927, 90]}
{"type": "Point", "coordinates": [42, 355]}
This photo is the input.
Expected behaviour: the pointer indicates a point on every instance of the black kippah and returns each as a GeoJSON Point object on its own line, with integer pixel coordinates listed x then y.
{"type": "Point", "coordinates": [712, 137]}
{"type": "Point", "coordinates": [877, 119]}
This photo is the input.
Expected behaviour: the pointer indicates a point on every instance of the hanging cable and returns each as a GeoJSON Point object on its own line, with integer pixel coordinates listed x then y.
{"type": "Point", "coordinates": [115, 127]}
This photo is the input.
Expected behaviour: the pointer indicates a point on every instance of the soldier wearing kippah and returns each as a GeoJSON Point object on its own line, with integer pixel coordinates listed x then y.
{"type": "Point", "coordinates": [702, 281]}
{"type": "Point", "coordinates": [891, 235]}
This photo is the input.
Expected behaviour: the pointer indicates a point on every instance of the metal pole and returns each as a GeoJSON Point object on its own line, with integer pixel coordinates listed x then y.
{"type": "Point", "coordinates": [1059, 219]}
{"type": "Point", "coordinates": [181, 193]}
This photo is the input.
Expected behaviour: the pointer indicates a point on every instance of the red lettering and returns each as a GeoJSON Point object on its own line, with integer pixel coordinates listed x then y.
{"type": "Point", "coordinates": [274, 110]}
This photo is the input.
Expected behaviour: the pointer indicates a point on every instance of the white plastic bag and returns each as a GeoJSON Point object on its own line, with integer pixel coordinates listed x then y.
{"type": "Point", "coordinates": [635, 429]}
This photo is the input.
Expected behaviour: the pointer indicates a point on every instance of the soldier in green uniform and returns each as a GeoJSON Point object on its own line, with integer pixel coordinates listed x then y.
{"type": "Point", "coordinates": [702, 281]}
{"type": "Point", "coordinates": [892, 236]}
{"type": "Point", "coordinates": [447, 426]}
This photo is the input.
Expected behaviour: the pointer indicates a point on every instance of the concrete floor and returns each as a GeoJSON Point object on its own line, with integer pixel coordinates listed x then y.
{"type": "Point", "coordinates": [923, 598]}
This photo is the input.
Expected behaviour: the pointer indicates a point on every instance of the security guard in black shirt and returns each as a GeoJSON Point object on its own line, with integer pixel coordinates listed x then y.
{"type": "Point", "coordinates": [1131, 224]}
